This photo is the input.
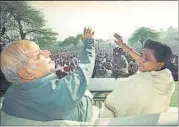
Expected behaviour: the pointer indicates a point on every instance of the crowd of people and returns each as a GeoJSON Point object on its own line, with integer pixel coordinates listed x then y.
{"type": "Point", "coordinates": [117, 64]}
{"type": "Point", "coordinates": [65, 63]}
{"type": "Point", "coordinates": [38, 93]}
{"type": "Point", "coordinates": [107, 65]}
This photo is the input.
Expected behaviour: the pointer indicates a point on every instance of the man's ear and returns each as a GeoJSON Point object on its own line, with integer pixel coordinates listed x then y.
{"type": "Point", "coordinates": [160, 65]}
{"type": "Point", "coordinates": [26, 74]}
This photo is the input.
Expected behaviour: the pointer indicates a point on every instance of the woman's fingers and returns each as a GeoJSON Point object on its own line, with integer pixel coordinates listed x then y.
{"type": "Point", "coordinates": [117, 36]}
{"type": "Point", "coordinates": [117, 42]}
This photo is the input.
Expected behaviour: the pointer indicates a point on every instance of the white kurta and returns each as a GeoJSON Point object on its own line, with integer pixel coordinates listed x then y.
{"type": "Point", "coordinates": [141, 93]}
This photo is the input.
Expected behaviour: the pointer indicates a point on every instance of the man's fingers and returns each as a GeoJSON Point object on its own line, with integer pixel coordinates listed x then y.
{"type": "Point", "coordinates": [93, 32]}
{"type": "Point", "coordinates": [88, 30]}
{"type": "Point", "coordinates": [84, 31]}
{"type": "Point", "coordinates": [88, 33]}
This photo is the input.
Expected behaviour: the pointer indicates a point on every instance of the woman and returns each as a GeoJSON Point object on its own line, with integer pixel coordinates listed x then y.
{"type": "Point", "coordinates": [147, 92]}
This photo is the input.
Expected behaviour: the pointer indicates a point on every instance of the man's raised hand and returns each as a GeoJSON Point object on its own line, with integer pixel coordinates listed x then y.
{"type": "Point", "coordinates": [88, 33]}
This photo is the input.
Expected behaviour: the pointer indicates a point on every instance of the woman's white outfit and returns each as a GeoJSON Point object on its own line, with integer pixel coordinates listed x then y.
{"type": "Point", "coordinates": [141, 93]}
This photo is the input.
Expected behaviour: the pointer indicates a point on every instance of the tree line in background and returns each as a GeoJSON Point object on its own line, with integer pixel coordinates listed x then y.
{"type": "Point", "coordinates": [169, 37]}
{"type": "Point", "coordinates": [25, 22]}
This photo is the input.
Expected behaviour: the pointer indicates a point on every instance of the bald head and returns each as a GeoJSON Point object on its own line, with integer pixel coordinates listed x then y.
{"type": "Point", "coordinates": [23, 61]}
{"type": "Point", "coordinates": [13, 57]}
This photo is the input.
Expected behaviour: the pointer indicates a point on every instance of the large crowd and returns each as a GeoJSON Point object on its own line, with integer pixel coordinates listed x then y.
{"type": "Point", "coordinates": [106, 65]}
{"type": "Point", "coordinates": [112, 64]}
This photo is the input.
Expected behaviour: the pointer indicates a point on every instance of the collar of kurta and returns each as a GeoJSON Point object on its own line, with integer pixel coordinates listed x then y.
{"type": "Point", "coordinates": [36, 82]}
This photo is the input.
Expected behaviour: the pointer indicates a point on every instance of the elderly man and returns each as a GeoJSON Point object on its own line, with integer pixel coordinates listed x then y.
{"type": "Point", "coordinates": [37, 93]}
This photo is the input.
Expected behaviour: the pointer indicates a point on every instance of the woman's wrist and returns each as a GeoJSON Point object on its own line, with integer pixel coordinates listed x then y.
{"type": "Point", "coordinates": [126, 48]}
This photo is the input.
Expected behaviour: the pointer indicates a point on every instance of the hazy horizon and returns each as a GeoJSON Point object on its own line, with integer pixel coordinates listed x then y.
{"type": "Point", "coordinates": [68, 18]}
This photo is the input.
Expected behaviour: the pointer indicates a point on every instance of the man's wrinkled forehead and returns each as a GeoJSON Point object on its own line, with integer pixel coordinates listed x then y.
{"type": "Point", "coordinates": [31, 49]}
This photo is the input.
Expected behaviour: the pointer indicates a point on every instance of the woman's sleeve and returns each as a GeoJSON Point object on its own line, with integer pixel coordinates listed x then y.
{"type": "Point", "coordinates": [105, 112]}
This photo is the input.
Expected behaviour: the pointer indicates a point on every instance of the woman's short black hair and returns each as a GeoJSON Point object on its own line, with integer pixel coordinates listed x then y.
{"type": "Point", "coordinates": [162, 52]}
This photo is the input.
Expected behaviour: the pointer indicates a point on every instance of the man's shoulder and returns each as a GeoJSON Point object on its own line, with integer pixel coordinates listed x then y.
{"type": "Point", "coordinates": [41, 82]}
{"type": "Point", "coordinates": [50, 76]}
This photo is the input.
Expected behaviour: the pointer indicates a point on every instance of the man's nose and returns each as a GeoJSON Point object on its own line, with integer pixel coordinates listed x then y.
{"type": "Point", "coordinates": [45, 53]}
{"type": "Point", "coordinates": [141, 60]}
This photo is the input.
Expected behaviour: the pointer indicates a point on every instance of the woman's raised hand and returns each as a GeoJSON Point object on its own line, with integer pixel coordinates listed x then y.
{"type": "Point", "coordinates": [119, 41]}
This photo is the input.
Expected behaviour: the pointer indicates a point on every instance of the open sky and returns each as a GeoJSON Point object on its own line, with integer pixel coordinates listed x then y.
{"type": "Point", "coordinates": [107, 17]}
